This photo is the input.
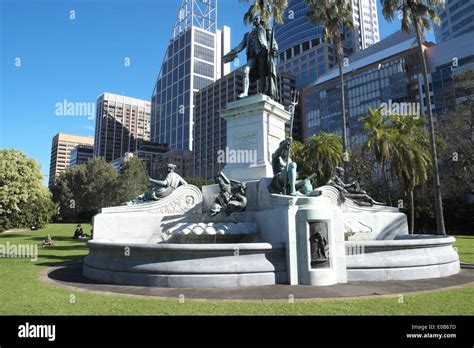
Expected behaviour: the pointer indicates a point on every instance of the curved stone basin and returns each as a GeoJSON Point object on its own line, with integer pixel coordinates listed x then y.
{"type": "Point", "coordinates": [403, 258]}
{"type": "Point", "coordinates": [185, 265]}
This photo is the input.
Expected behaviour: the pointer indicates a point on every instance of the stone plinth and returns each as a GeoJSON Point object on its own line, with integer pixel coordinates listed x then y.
{"type": "Point", "coordinates": [255, 127]}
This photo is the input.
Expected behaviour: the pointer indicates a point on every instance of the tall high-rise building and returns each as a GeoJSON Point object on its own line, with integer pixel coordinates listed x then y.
{"type": "Point", "coordinates": [366, 25]}
{"type": "Point", "coordinates": [386, 72]}
{"type": "Point", "coordinates": [457, 18]}
{"type": "Point", "coordinates": [192, 62]}
{"type": "Point", "coordinates": [120, 122]}
{"type": "Point", "coordinates": [210, 128]}
{"type": "Point", "coordinates": [81, 154]}
{"type": "Point", "coordinates": [302, 49]}
{"type": "Point", "coordinates": [61, 148]}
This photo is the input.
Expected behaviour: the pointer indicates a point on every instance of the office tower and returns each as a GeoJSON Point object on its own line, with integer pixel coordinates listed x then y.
{"type": "Point", "coordinates": [303, 51]}
{"type": "Point", "coordinates": [386, 72]}
{"type": "Point", "coordinates": [457, 18]}
{"type": "Point", "coordinates": [366, 26]}
{"type": "Point", "coordinates": [192, 61]}
{"type": "Point", "coordinates": [120, 122]}
{"type": "Point", "coordinates": [210, 128]}
{"type": "Point", "coordinates": [81, 154]}
{"type": "Point", "coordinates": [447, 61]}
{"type": "Point", "coordinates": [61, 148]}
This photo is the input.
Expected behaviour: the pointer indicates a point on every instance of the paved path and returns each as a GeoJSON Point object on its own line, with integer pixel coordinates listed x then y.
{"type": "Point", "coordinates": [70, 277]}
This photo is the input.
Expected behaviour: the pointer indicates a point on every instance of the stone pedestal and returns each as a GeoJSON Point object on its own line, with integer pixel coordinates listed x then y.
{"type": "Point", "coordinates": [255, 127]}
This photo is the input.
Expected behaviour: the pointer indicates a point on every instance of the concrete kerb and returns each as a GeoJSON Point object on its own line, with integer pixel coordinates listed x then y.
{"type": "Point", "coordinates": [411, 289]}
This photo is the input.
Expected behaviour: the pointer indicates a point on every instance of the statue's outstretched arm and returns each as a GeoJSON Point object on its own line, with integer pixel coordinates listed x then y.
{"type": "Point", "coordinates": [234, 52]}
{"type": "Point", "coordinates": [159, 182]}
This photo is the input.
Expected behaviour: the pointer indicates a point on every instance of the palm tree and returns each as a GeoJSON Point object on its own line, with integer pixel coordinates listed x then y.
{"type": "Point", "coordinates": [268, 9]}
{"type": "Point", "coordinates": [419, 14]}
{"type": "Point", "coordinates": [334, 16]}
{"type": "Point", "coordinates": [378, 130]}
{"type": "Point", "coordinates": [299, 155]}
{"type": "Point", "coordinates": [410, 156]}
{"type": "Point", "coordinates": [323, 153]}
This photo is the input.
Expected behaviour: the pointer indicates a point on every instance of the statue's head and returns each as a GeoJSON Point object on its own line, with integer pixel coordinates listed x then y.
{"type": "Point", "coordinates": [257, 19]}
{"type": "Point", "coordinates": [171, 167]}
{"type": "Point", "coordinates": [339, 171]}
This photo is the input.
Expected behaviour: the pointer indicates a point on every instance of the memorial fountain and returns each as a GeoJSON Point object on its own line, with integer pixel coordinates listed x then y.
{"type": "Point", "coordinates": [259, 226]}
{"type": "Point", "coordinates": [321, 238]}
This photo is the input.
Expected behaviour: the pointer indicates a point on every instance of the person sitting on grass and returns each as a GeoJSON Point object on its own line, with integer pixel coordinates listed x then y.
{"type": "Point", "coordinates": [79, 233]}
{"type": "Point", "coordinates": [47, 242]}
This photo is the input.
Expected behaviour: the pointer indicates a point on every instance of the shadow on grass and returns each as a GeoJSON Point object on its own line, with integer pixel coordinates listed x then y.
{"type": "Point", "coordinates": [70, 273]}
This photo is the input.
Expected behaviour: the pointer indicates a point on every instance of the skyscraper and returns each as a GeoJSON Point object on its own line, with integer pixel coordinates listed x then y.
{"type": "Point", "coordinates": [192, 61]}
{"type": "Point", "coordinates": [303, 51]}
{"type": "Point", "coordinates": [366, 26]}
{"type": "Point", "coordinates": [61, 148]}
{"type": "Point", "coordinates": [120, 122]}
{"type": "Point", "coordinates": [457, 18]}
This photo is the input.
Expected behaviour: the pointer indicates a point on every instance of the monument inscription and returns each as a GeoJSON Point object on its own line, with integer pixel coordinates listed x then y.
{"type": "Point", "coordinates": [245, 140]}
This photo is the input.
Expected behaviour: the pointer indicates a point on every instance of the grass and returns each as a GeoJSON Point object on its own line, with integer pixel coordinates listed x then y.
{"type": "Point", "coordinates": [465, 248]}
{"type": "Point", "coordinates": [21, 293]}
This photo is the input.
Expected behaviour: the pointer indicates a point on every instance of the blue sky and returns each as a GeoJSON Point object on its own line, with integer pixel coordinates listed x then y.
{"type": "Point", "coordinates": [78, 59]}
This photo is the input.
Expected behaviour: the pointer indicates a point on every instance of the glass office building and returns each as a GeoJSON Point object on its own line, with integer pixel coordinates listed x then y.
{"type": "Point", "coordinates": [303, 52]}
{"type": "Point", "coordinates": [447, 61]}
{"type": "Point", "coordinates": [457, 18]}
{"type": "Point", "coordinates": [386, 72]}
{"type": "Point", "coordinates": [192, 62]}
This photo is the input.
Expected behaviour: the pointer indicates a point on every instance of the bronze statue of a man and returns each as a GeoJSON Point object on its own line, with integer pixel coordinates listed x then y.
{"type": "Point", "coordinates": [261, 49]}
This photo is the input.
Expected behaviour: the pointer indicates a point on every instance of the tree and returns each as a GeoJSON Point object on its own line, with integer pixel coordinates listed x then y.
{"type": "Point", "coordinates": [268, 9]}
{"type": "Point", "coordinates": [82, 190]}
{"type": "Point", "coordinates": [334, 16]}
{"type": "Point", "coordinates": [419, 14]}
{"type": "Point", "coordinates": [299, 155]}
{"type": "Point", "coordinates": [410, 156]}
{"type": "Point", "coordinates": [363, 168]}
{"type": "Point", "coordinates": [457, 155]}
{"type": "Point", "coordinates": [323, 154]}
{"type": "Point", "coordinates": [25, 201]}
{"type": "Point", "coordinates": [132, 179]}
{"type": "Point", "coordinates": [377, 129]}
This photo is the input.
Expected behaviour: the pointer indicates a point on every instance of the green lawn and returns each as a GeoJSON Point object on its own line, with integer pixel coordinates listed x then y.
{"type": "Point", "coordinates": [21, 293]}
{"type": "Point", "coordinates": [465, 247]}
